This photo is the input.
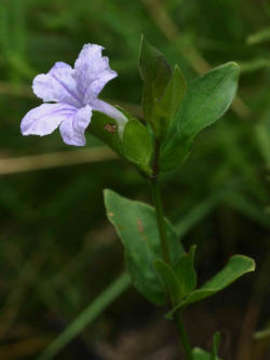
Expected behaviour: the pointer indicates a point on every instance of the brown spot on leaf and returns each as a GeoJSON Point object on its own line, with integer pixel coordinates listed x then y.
{"type": "Point", "coordinates": [111, 214]}
{"type": "Point", "coordinates": [111, 128]}
{"type": "Point", "coordinates": [140, 226]}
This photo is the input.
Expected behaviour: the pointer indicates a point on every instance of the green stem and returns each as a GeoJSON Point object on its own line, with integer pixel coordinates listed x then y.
{"type": "Point", "coordinates": [164, 243]}
{"type": "Point", "coordinates": [166, 256]}
{"type": "Point", "coordinates": [160, 220]}
{"type": "Point", "coordinates": [183, 336]}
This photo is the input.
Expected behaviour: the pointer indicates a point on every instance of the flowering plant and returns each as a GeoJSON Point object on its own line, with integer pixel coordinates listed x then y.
{"type": "Point", "coordinates": [174, 114]}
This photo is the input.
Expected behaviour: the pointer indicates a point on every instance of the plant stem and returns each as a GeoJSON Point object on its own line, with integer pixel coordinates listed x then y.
{"type": "Point", "coordinates": [158, 204]}
{"type": "Point", "coordinates": [164, 243]}
{"type": "Point", "coordinates": [166, 256]}
{"type": "Point", "coordinates": [160, 220]}
{"type": "Point", "coordinates": [183, 336]}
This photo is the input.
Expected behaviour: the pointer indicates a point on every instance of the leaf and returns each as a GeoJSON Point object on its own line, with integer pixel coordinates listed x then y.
{"type": "Point", "coordinates": [163, 90]}
{"type": "Point", "coordinates": [106, 129]}
{"type": "Point", "coordinates": [180, 279]}
{"type": "Point", "coordinates": [237, 266]}
{"type": "Point", "coordinates": [136, 226]}
{"type": "Point", "coordinates": [153, 66]}
{"type": "Point", "coordinates": [169, 280]}
{"type": "Point", "coordinates": [156, 74]}
{"type": "Point", "coordinates": [206, 100]}
{"type": "Point", "coordinates": [199, 354]}
{"type": "Point", "coordinates": [185, 272]}
{"type": "Point", "coordinates": [132, 141]}
{"type": "Point", "coordinates": [165, 109]}
{"type": "Point", "coordinates": [137, 145]}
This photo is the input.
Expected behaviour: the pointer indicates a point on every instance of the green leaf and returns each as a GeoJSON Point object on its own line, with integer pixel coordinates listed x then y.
{"type": "Point", "coordinates": [106, 129]}
{"type": "Point", "coordinates": [169, 280]}
{"type": "Point", "coordinates": [165, 109]}
{"type": "Point", "coordinates": [206, 100]}
{"type": "Point", "coordinates": [199, 354]}
{"type": "Point", "coordinates": [180, 279]}
{"type": "Point", "coordinates": [185, 272]}
{"type": "Point", "coordinates": [237, 266]}
{"type": "Point", "coordinates": [138, 145]}
{"type": "Point", "coordinates": [131, 140]}
{"type": "Point", "coordinates": [136, 226]}
{"type": "Point", "coordinates": [163, 90]}
{"type": "Point", "coordinates": [156, 74]}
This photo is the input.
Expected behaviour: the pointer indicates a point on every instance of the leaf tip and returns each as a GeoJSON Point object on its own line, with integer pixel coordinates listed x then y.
{"type": "Point", "coordinates": [106, 195]}
{"type": "Point", "coordinates": [142, 40]}
{"type": "Point", "coordinates": [249, 263]}
{"type": "Point", "coordinates": [106, 191]}
{"type": "Point", "coordinates": [143, 44]}
{"type": "Point", "coordinates": [233, 66]}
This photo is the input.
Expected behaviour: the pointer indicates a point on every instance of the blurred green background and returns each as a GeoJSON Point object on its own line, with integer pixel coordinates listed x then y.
{"type": "Point", "coordinates": [58, 251]}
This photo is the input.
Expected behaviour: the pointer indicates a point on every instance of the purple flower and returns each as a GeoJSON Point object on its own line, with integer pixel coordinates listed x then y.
{"type": "Point", "coordinates": [70, 95]}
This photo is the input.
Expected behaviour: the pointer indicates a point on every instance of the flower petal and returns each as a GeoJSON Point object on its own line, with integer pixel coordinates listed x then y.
{"type": "Point", "coordinates": [72, 129]}
{"type": "Point", "coordinates": [97, 86]}
{"type": "Point", "coordinates": [109, 110]}
{"type": "Point", "coordinates": [44, 119]}
{"type": "Point", "coordinates": [57, 85]}
{"type": "Point", "coordinates": [92, 72]}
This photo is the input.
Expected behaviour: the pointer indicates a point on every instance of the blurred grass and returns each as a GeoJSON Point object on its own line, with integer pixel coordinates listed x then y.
{"type": "Point", "coordinates": [57, 250]}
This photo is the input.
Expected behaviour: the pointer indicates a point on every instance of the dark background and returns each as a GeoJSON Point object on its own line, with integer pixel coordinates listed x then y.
{"type": "Point", "coordinates": [58, 251]}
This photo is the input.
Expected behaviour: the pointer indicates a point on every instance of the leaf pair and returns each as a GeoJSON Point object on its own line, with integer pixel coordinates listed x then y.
{"type": "Point", "coordinates": [163, 89]}
{"type": "Point", "coordinates": [178, 279]}
{"type": "Point", "coordinates": [237, 266]}
{"type": "Point", "coordinates": [177, 113]}
{"type": "Point", "coordinates": [136, 226]}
